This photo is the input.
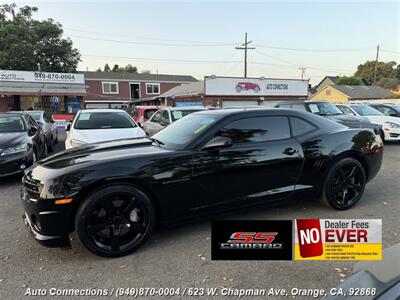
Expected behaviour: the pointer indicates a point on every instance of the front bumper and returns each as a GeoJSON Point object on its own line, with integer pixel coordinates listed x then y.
{"type": "Point", "coordinates": [392, 134]}
{"type": "Point", "coordinates": [48, 223]}
{"type": "Point", "coordinates": [12, 164]}
{"type": "Point", "coordinates": [45, 240]}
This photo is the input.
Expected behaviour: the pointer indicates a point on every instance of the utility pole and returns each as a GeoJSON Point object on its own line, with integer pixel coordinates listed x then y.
{"type": "Point", "coordinates": [376, 63]}
{"type": "Point", "coordinates": [302, 71]}
{"type": "Point", "coordinates": [245, 48]}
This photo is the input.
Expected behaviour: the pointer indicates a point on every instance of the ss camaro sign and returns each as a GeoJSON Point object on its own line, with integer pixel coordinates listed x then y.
{"type": "Point", "coordinates": [251, 240]}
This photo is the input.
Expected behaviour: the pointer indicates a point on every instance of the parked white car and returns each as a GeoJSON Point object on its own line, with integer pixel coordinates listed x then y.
{"type": "Point", "coordinates": [390, 125]}
{"type": "Point", "coordinates": [101, 125]}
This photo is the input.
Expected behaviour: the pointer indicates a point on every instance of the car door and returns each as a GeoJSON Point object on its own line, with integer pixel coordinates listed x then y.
{"type": "Point", "coordinates": [153, 125]}
{"type": "Point", "coordinates": [263, 162]}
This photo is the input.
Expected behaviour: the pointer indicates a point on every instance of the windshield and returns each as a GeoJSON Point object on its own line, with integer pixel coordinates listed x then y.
{"type": "Point", "coordinates": [103, 120]}
{"type": "Point", "coordinates": [324, 109]}
{"type": "Point", "coordinates": [178, 114]}
{"type": "Point", "coordinates": [35, 115]}
{"type": "Point", "coordinates": [12, 123]}
{"type": "Point", "coordinates": [182, 132]}
{"type": "Point", "coordinates": [365, 110]}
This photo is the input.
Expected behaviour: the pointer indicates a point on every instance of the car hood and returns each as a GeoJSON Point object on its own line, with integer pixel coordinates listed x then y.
{"type": "Point", "coordinates": [382, 119]}
{"type": "Point", "coordinates": [9, 139]}
{"type": "Point", "coordinates": [102, 135]}
{"type": "Point", "coordinates": [351, 121]}
{"type": "Point", "coordinates": [106, 151]}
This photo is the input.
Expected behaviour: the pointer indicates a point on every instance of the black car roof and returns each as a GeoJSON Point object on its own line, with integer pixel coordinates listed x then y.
{"type": "Point", "coordinates": [313, 118]}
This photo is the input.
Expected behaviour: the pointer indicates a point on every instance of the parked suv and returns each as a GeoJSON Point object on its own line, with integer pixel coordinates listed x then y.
{"type": "Point", "coordinates": [142, 113]}
{"type": "Point", "coordinates": [330, 111]}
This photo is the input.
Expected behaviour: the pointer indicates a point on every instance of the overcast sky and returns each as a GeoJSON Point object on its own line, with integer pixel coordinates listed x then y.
{"type": "Point", "coordinates": [199, 37]}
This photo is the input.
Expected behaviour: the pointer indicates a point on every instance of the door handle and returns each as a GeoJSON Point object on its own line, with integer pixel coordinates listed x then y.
{"type": "Point", "coordinates": [290, 151]}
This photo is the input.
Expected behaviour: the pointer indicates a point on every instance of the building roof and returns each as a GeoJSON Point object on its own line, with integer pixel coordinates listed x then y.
{"type": "Point", "coordinates": [363, 91]}
{"type": "Point", "coordinates": [137, 77]}
{"type": "Point", "coordinates": [190, 89]}
{"type": "Point", "coordinates": [331, 78]}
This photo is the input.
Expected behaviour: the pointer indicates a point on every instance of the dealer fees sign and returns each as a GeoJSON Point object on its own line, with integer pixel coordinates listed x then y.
{"type": "Point", "coordinates": [338, 239]}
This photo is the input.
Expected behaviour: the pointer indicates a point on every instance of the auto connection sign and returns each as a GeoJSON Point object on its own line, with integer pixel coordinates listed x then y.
{"type": "Point", "coordinates": [43, 77]}
{"type": "Point", "coordinates": [229, 86]}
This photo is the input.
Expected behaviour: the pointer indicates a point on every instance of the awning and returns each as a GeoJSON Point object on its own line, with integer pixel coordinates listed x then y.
{"type": "Point", "coordinates": [42, 89]}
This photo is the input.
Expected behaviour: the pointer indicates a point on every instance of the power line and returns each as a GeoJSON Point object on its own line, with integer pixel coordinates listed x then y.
{"type": "Point", "coordinates": [146, 38]}
{"type": "Point", "coordinates": [149, 43]}
{"type": "Point", "coordinates": [314, 49]}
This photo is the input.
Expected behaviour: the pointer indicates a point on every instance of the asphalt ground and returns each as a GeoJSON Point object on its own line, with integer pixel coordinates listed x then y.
{"type": "Point", "coordinates": [180, 257]}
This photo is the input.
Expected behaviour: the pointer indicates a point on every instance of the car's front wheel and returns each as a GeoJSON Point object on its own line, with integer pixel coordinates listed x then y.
{"type": "Point", "coordinates": [115, 220]}
{"type": "Point", "coordinates": [344, 184]}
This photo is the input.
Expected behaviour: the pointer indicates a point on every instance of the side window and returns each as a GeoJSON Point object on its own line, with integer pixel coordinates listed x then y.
{"type": "Point", "coordinates": [346, 110]}
{"type": "Point", "coordinates": [300, 126]}
{"type": "Point", "coordinates": [257, 129]}
{"type": "Point", "coordinates": [165, 117]}
{"type": "Point", "coordinates": [157, 117]}
{"type": "Point", "coordinates": [134, 112]}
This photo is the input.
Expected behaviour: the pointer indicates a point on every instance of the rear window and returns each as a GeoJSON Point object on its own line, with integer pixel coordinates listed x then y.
{"type": "Point", "coordinates": [300, 126]}
{"type": "Point", "coordinates": [104, 120]}
{"type": "Point", "coordinates": [178, 114]}
{"type": "Point", "coordinates": [12, 123]}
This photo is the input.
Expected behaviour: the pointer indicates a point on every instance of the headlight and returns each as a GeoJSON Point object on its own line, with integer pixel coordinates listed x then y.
{"type": "Point", "coordinates": [15, 149]}
{"type": "Point", "coordinates": [392, 125]}
{"type": "Point", "coordinates": [76, 143]}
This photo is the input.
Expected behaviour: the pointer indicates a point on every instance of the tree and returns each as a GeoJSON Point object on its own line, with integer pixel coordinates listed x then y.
{"type": "Point", "coordinates": [351, 80]}
{"type": "Point", "coordinates": [384, 70]}
{"type": "Point", "coordinates": [26, 43]}
{"type": "Point", "coordinates": [107, 68]}
{"type": "Point", "coordinates": [115, 69]}
{"type": "Point", "coordinates": [129, 69]}
{"type": "Point", "coordinates": [389, 83]}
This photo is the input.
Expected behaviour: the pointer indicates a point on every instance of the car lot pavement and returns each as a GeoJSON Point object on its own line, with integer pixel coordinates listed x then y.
{"type": "Point", "coordinates": [180, 257]}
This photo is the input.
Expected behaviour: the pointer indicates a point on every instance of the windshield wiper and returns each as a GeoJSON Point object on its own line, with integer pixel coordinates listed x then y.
{"type": "Point", "coordinates": [154, 140]}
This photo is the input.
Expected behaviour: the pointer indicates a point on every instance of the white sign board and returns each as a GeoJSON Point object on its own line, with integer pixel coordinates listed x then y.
{"type": "Point", "coordinates": [41, 77]}
{"type": "Point", "coordinates": [228, 86]}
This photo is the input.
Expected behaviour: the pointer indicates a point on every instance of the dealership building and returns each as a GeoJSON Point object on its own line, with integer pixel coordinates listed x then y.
{"type": "Point", "coordinates": [216, 91]}
{"type": "Point", "coordinates": [56, 93]}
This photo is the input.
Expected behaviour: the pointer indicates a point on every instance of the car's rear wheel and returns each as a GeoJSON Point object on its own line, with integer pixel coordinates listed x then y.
{"type": "Point", "coordinates": [344, 184]}
{"type": "Point", "coordinates": [115, 220]}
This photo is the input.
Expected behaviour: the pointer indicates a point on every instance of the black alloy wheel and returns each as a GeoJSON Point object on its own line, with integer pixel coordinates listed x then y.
{"type": "Point", "coordinates": [115, 220]}
{"type": "Point", "coordinates": [345, 184]}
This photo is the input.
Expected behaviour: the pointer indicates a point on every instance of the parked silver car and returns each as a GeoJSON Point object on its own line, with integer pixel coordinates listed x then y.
{"type": "Point", "coordinates": [165, 116]}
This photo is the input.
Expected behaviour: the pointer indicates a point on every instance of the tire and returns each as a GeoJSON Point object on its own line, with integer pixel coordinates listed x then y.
{"type": "Point", "coordinates": [382, 135]}
{"type": "Point", "coordinates": [344, 184]}
{"type": "Point", "coordinates": [45, 150]}
{"type": "Point", "coordinates": [115, 220]}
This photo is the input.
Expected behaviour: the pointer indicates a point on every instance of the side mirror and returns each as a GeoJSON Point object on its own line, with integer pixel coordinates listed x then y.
{"type": "Point", "coordinates": [68, 127]}
{"type": "Point", "coordinates": [32, 131]}
{"type": "Point", "coordinates": [218, 143]}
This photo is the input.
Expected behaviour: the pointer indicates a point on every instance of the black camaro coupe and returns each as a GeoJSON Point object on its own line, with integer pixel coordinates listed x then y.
{"type": "Point", "coordinates": [113, 194]}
